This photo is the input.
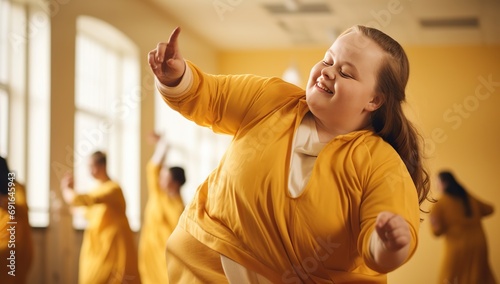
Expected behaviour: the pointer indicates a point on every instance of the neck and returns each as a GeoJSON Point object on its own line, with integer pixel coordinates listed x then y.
{"type": "Point", "coordinates": [172, 192]}
{"type": "Point", "coordinates": [326, 133]}
{"type": "Point", "coordinates": [103, 178]}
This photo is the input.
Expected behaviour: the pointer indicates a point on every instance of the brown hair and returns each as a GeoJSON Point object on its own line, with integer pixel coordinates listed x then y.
{"type": "Point", "coordinates": [454, 188]}
{"type": "Point", "coordinates": [389, 121]}
{"type": "Point", "coordinates": [99, 158]}
{"type": "Point", "coordinates": [178, 175]}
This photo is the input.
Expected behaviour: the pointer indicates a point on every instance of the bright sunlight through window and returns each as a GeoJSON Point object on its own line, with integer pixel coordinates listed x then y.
{"type": "Point", "coordinates": [107, 100]}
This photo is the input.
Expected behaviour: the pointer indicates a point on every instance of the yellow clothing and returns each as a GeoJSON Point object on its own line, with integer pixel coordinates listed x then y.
{"type": "Point", "coordinates": [191, 262]}
{"type": "Point", "coordinates": [244, 210]}
{"type": "Point", "coordinates": [465, 256]}
{"type": "Point", "coordinates": [108, 253]}
{"type": "Point", "coordinates": [160, 218]}
{"type": "Point", "coordinates": [15, 236]}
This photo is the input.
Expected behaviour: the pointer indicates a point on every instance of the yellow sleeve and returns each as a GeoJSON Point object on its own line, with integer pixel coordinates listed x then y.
{"type": "Point", "coordinates": [227, 102]}
{"type": "Point", "coordinates": [485, 209]}
{"type": "Point", "coordinates": [105, 193]}
{"type": "Point", "coordinates": [387, 186]}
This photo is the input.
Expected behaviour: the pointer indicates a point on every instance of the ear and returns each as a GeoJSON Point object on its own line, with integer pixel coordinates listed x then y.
{"type": "Point", "coordinates": [375, 103]}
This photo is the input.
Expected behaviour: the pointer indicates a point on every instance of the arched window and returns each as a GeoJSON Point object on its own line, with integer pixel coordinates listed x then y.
{"type": "Point", "coordinates": [107, 103]}
{"type": "Point", "coordinates": [25, 99]}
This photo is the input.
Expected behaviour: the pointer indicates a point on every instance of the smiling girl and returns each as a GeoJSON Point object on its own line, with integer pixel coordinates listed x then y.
{"type": "Point", "coordinates": [317, 186]}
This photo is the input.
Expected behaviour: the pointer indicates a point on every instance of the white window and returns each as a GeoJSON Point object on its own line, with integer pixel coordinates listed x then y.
{"type": "Point", "coordinates": [107, 101]}
{"type": "Point", "coordinates": [4, 95]}
{"type": "Point", "coordinates": [25, 100]}
{"type": "Point", "coordinates": [197, 149]}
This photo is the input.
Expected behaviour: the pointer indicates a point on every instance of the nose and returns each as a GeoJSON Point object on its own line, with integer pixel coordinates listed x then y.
{"type": "Point", "coordinates": [328, 72]}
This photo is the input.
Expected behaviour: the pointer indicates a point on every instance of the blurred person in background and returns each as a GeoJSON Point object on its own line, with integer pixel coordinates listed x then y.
{"type": "Point", "coordinates": [163, 209]}
{"type": "Point", "coordinates": [457, 217]}
{"type": "Point", "coordinates": [16, 241]}
{"type": "Point", "coordinates": [108, 253]}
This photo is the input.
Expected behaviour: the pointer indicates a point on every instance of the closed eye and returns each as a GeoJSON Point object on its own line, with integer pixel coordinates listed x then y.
{"type": "Point", "coordinates": [326, 63]}
{"type": "Point", "coordinates": [345, 75]}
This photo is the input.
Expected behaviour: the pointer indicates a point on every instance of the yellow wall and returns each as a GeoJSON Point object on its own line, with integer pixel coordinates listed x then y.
{"type": "Point", "coordinates": [467, 142]}
{"type": "Point", "coordinates": [270, 62]}
{"type": "Point", "coordinates": [459, 116]}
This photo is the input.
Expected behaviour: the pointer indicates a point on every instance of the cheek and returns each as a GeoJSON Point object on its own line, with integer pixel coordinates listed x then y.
{"type": "Point", "coordinates": [353, 94]}
{"type": "Point", "coordinates": [313, 75]}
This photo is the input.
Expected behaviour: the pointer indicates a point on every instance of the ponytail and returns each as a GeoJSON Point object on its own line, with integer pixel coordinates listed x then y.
{"type": "Point", "coordinates": [389, 121]}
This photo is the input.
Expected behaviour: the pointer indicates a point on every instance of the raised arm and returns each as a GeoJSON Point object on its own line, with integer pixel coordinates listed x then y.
{"type": "Point", "coordinates": [223, 103]}
{"type": "Point", "coordinates": [161, 149]}
{"type": "Point", "coordinates": [67, 189]}
{"type": "Point", "coordinates": [166, 61]}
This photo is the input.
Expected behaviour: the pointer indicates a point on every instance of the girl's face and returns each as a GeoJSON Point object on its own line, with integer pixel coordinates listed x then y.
{"type": "Point", "coordinates": [341, 88]}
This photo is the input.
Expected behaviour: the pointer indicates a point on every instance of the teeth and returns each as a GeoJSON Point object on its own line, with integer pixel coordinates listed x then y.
{"type": "Point", "coordinates": [322, 87]}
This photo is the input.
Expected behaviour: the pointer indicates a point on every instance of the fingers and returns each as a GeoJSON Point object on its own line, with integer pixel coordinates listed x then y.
{"type": "Point", "coordinates": [67, 177]}
{"type": "Point", "coordinates": [172, 41]}
{"type": "Point", "coordinates": [174, 35]}
{"type": "Point", "coordinates": [156, 57]}
{"type": "Point", "coordinates": [393, 230]}
{"type": "Point", "coordinates": [161, 48]}
{"type": "Point", "coordinates": [380, 224]}
{"type": "Point", "coordinates": [67, 180]}
{"type": "Point", "coordinates": [166, 61]}
{"type": "Point", "coordinates": [171, 44]}
{"type": "Point", "coordinates": [153, 62]}
{"type": "Point", "coordinates": [153, 137]}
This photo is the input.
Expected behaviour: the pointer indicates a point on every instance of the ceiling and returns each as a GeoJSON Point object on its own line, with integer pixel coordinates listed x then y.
{"type": "Point", "coordinates": [268, 24]}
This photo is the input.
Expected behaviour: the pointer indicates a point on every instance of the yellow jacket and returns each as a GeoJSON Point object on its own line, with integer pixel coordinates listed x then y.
{"type": "Point", "coordinates": [15, 236]}
{"type": "Point", "coordinates": [160, 218]}
{"type": "Point", "coordinates": [108, 253]}
{"type": "Point", "coordinates": [244, 211]}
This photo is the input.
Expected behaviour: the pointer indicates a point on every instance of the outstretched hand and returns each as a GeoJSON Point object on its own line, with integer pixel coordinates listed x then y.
{"type": "Point", "coordinates": [166, 61]}
{"type": "Point", "coordinates": [67, 188]}
{"type": "Point", "coordinates": [67, 181]}
{"type": "Point", "coordinates": [153, 138]}
{"type": "Point", "coordinates": [392, 230]}
{"type": "Point", "coordinates": [390, 241]}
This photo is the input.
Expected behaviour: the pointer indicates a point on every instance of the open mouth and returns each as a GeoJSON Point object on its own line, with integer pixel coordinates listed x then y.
{"type": "Point", "coordinates": [323, 87]}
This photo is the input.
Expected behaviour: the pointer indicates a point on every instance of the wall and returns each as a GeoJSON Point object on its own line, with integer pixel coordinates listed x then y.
{"type": "Point", "coordinates": [456, 112]}
{"type": "Point", "coordinates": [459, 115]}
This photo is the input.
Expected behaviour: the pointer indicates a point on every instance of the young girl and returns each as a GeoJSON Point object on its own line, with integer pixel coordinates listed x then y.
{"type": "Point", "coordinates": [317, 186]}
